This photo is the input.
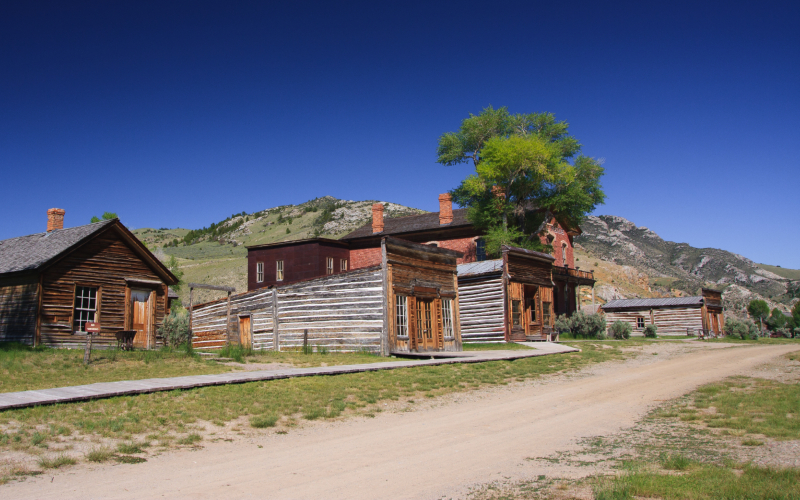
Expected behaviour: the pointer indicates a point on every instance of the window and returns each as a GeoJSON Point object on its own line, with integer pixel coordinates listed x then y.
{"type": "Point", "coordinates": [640, 322]}
{"type": "Point", "coordinates": [259, 272]}
{"type": "Point", "coordinates": [546, 313]}
{"type": "Point", "coordinates": [279, 270]}
{"type": "Point", "coordinates": [447, 318]}
{"type": "Point", "coordinates": [330, 265]}
{"type": "Point", "coordinates": [85, 306]}
{"type": "Point", "coordinates": [516, 313]}
{"type": "Point", "coordinates": [564, 255]}
{"type": "Point", "coordinates": [343, 265]}
{"type": "Point", "coordinates": [401, 315]}
{"type": "Point", "coordinates": [480, 249]}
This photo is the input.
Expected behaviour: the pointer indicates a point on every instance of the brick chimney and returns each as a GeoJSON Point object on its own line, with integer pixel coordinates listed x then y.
{"type": "Point", "coordinates": [498, 192]}
{"type": "Point", "coordinates": [55, 219]}
{"type": "Point", "coordinates": [377, 218]}
{"type": "Point", "coordinates": [445, 209]}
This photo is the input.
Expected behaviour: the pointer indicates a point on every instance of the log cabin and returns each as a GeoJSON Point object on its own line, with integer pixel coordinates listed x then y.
{"type": "Point", "coordinates": [406, 303]}
{"type": "Point", "coordinates": [673, 315]}
{"type": "Point", "coordinates": [507, 299]}
{"type": "Point", "coordinates": [53, 283]}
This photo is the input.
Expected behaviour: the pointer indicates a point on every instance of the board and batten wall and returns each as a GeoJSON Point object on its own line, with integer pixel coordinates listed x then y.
{"type": "Point", "coordinates": [342, 313]}
{"type": "Point", "coordinates": [481, 303]}
{"type": "Point", "coordinates": [670, 321]}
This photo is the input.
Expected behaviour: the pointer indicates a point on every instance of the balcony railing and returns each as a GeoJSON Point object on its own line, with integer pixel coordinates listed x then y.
{"type": "Point", "coordinates": [576, 273]}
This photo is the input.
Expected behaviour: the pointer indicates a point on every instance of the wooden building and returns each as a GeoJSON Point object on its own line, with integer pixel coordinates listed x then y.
{"type": "Point", "coordinates": [672, 316]}
{"type": "Point", "coordinates": [405, 303]}
{"type": "Point", "coordinates": [292, 261]}
{"type": "Point", "coordinates": [53, 283]}
{"type": "Point", "coordinates": [507, 299]}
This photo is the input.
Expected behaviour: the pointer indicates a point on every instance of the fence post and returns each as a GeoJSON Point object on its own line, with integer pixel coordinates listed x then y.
{"type": "Point", "coordinates": [305, 341]}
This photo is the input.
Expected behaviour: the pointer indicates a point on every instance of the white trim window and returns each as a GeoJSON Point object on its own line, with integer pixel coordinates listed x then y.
{"type": "Point", "coordinates": [259, 272]}
{"type": "Point", "coordinates": [564, 254]}
{"type": "Point", "coordinates": [329, 265]}
{"type": "Point", "coordinates": [447, 319]}
{"type": "Point", "coordinates": [343, 264]}
{"type": "Point", "coordinates": [640, 322]}
{"type": "Point", "coordinates": [279, 270]}
{"type": "Point", "coordinates": [85, 307]}
{"type": "Point", "coordinates": [401, 315]}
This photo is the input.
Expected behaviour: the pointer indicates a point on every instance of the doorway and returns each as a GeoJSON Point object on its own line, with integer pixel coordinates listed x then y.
{"type": "Point", "coordinates": [245, 334]}
{"type": "Point", "coordinates": [427, 339]}
{"type": "Point", "coordinates": [141, 317]}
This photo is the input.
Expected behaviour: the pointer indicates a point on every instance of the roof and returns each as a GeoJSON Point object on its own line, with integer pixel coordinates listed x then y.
{"type": "Point", "coordinates": [411, 224]}
{"type": "Point", "coordinates": [296, 242]}
{"type": "Point", "coordinates": [647, 303]}
{"type": "Point", "coordinates": [528, 253]}
{"type": "Point", "coordinates": [482, 267]}
{"type": "Point", "coordinates": [28, 253]}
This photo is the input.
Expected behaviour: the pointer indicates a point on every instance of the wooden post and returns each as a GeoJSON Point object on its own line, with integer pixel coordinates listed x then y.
{"type": "Point", "coordinates": [385, 300]}
{"type": "Point", "coordinates": [276, 334]}
{"type": "Point", "coordinates": [87, 353]}
{"type": "Point", "coordinates": [228, 320]}
{"type": "Point", "coordinates": [190, 317]}
{"type": "Point", "coordinates": [305, 341]}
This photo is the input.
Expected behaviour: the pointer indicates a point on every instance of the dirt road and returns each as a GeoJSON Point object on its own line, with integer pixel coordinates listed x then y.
{"type": "Point", "coordinates": [430, 453]}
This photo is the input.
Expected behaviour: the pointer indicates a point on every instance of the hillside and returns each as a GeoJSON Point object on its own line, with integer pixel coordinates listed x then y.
{"type": "Point", "coordinates": [678, 268]}
{"type": "Point", "coordinates": [215, 254]}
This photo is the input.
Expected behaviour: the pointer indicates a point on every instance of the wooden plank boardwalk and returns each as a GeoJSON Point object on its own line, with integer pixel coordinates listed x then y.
{"type": "Point", "coordinates": [101, 390]}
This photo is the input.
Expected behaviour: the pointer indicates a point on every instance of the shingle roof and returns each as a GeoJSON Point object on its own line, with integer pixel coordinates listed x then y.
{"type": "Point", "coordinates": [411, 223]}
{"type": "Point", "coordinates": [27, 253]}
{"type": "Point", "coordinates": [645, 303]}
{"type": "Point", "coordinates": [483, 267]}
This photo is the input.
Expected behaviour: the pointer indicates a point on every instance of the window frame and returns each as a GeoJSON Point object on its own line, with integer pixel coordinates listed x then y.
{"type": "Point", "coordinates": [279, 270]}
{"type": "Point", "coordinates": [480, 250]}
{"type": "Point", "coordinates": [448, 323]}
{"type": "Point", "coordinates": [640, 323]}
{"type": "Point", "coordinates": [329, 265]}
{"type": "Point", "coordinates": [75, 309]}
{"type": "Point", "coordinates": [401, 324]}
{"type": "Point", "coordinates": [259, 272]}
{"type": "Point", "coordinates": [343, 265]}
{"type": "Point", "coordinates": [516, 313]}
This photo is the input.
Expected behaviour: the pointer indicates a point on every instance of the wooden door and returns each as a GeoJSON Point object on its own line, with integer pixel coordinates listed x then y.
{"type": "Point", "coordinates": [427, 338]}
{"type": "Point", "coordinates": [141, 317]}
{"type": "Point", "coordinates": [245, 336]}
{"type": "Point", "coordinates": [532, 313]}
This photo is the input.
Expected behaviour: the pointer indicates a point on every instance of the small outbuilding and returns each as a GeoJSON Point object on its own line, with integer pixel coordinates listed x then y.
{"type": "Point", "coordinates": [53, 283]}
{"type": "Point", "coordinates": [672, 315]}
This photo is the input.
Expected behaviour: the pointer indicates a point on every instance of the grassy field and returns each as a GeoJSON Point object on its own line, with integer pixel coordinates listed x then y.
{"type": "Point", "coordinates": [23, 368]}
{"type": "Point", "coordinates": [792, 274]}
{"type": "Point", "coordinates": [168, 419]}
{"type": "Point", "coordinates": [501, 346]}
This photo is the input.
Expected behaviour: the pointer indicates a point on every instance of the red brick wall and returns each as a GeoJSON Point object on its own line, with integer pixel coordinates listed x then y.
{"type": "Point", "coordinates": [365, 257]}
{"type": "Point", "coordinates": [561, 238]}
{"type": "Point", "coordinates": [465, 245]}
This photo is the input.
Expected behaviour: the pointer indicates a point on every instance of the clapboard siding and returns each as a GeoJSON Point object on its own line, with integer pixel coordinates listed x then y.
{"type": "Point", "coordinates": [19, 302]}
{"type": "Point", "coordinates": [480, 300]}
{"type": "Point", "coordinates": [342, 312]}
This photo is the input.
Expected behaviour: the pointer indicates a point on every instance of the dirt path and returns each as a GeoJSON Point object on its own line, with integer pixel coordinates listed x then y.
{"type": "Point", "coordinates": [436, 452]}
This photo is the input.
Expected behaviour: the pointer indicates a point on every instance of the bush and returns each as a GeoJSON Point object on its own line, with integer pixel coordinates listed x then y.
{"type": "Point", "coordinates": [743, 329]}
{"type": "Point", "coordinates": [582, 325]}
{"type": "Point", "coordinates": [650, 331]}
{"type": "Point", "coordinates": [175, 328]}
{"type": "Point", "coordinates": [621, 330]}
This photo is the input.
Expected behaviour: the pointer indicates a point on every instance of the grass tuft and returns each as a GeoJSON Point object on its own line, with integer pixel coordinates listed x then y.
{"type": "Point", "coordinates": [190, 439]}
{"type": "Point", "coordinates": [263, 421]}
{"type": "Point", "coordinates": [56, 462]}
{"type": "Point", "coordinates": [101, 454]}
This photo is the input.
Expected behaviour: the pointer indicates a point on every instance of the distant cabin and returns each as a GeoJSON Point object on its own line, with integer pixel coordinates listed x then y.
{"type": "Point", "coordinates": [53, 283]}
{"type": "Point", "coordinates": [672, 316]}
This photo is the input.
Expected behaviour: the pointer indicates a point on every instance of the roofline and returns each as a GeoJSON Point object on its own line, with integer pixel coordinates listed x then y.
{"type": "Point", "coordinates": [295, 242]}
{"type": "Point", "coordinates": [130, 238]}
{"type": "Point", "coordinates": [383, 233]}
{"type": "Point", "coordinates": [428, 248]}
{"type": "Point", "coordinates": [531, 254]}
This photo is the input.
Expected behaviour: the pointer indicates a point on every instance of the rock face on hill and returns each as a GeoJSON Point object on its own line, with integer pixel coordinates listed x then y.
{"type": "Point", "coordinates": [679, 266]}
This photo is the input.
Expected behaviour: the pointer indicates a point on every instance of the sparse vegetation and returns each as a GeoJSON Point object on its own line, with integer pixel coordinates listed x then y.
{"type": "Point", "coordinates": [581, 326]}
{"type": "Point", "coordinates": [621, 330]}
{"type": "Point", "coordinates": [651, 331]}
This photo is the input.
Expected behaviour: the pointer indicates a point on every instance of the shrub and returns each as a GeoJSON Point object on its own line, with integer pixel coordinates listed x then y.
{"type": "Point", "coordinates": [650, 331]}
{"type": "Point", "coordinates": [582, 325]}
{"type": "Point", "coordinates": [175, 328]}
{"type": "Point", "coordinates": [263, 421]}
{"type": "Point", "coordinates": [621, 330]}
{"type": "Point", "coordinates": [743, 329]}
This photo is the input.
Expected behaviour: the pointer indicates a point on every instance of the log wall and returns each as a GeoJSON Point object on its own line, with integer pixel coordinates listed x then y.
{"type": "Point", "coordinates": [19, 302]}
{"type": "Point", "coordinates": [670, 321]}
{"type": "Point", "coordinates": [480, 300]}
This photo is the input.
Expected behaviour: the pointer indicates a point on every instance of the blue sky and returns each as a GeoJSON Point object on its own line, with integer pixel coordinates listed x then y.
{"type": "Point", "coordinates": [182, 113]}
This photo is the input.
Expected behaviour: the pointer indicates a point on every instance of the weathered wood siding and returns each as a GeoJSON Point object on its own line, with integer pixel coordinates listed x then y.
{"type": "Point", "coordinates": [480, 299]}
{"type": "Point", "coordinates": [19, 302]}
{"type": "Point", "coordinates": [104, 262]}
{"type": "Point", "coordinates": [529, 271]}
{"type": "Point", "coordinates": [670, 321]}
{"type": "Point", "coordinates": [342, 312]}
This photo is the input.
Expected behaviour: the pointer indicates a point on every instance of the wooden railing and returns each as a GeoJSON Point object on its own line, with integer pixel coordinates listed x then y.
{"type": "Point", "coordinates": [577, 273]}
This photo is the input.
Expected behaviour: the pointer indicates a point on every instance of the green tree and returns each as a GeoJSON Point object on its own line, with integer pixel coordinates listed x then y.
{"type": "Point", "coordinates": [105, 216]}
{"type": "Point", "coordinates": [526, 165]}
{"type": "Point", "coordinates": [174, 267]}
{"type": "Point", "coordinates": [777, 320]}
{"type": "Point", "coordinates": [758, 310]}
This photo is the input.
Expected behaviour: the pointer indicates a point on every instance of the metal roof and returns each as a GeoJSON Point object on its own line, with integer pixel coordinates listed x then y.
{"type": "Point", "coordinates": [482, 267]}
{"type": "Point", "coordinates": [27, 253]}
{"type": "Point", "coordinates": [647, 303]}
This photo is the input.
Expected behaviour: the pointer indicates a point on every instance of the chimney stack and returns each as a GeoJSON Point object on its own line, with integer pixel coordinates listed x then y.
{"type": "Point", "coordinates": [377, 218]}
{"type": "Point", "coordinates": [55, 219]}
{"type": "Point", "coordinates": [445, 209]}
